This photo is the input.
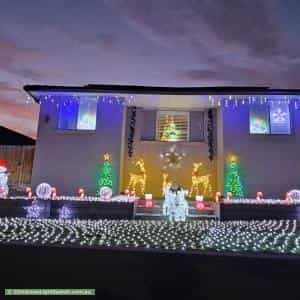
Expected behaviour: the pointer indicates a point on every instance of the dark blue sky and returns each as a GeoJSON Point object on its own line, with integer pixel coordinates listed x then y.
{"type": "Point", "coordinates": [150, 42]}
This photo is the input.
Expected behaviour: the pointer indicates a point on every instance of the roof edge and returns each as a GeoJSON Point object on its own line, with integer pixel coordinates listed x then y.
{"type": "Point", "coordinates": [163, 90]}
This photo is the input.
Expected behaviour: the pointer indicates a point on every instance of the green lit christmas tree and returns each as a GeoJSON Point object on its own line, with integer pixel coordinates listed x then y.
{"type": "Point", "coordinates": [170, 131]}
{"type": "Point", "coordinates": [106, 173]}
{"type": "Point", "coordinates": [233, 181]}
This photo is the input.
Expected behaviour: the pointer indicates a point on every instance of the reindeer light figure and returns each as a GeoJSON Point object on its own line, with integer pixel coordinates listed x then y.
{"type": "Point", "coordinates": [198, 180]}
{"type": "Point", "coordinates": [138, 179]}
{"type": "Point", "coordinates": [166, 183]}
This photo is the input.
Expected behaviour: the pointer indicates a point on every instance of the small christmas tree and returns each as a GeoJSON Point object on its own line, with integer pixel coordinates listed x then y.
{"type": "Point", "coordinates": [170, 132]}
{"type": "Point", "coordinates": [233, 181]}
{"type": "Point", "coordinates": [106, 174]}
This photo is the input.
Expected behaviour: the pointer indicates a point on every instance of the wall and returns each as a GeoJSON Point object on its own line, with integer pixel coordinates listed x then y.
{"type": "Point", "coordinates": [150, 152]}
{"type": "Point", "coordinates": [69, 160]}
{"type": "Point", "coordinates": [268, 163]}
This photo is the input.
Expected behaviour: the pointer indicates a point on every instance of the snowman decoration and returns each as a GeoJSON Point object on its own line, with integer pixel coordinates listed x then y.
{"type": "Point", "coordinates": [3, 178]}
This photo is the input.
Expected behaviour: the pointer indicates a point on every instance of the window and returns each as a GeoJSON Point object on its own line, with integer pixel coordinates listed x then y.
{"type": "Point", "coordinates": [172, 126]}
{"type": "Point", "coordinates": [280, 118]}
{"type": "Point", "coordinates": [270, 119]}
{"type": "Point", "coordinates": [78, 115]}
{"type": "Point", "coordinates": [259, 119]}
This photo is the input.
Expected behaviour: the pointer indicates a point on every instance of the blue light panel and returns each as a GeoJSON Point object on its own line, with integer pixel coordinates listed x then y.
{"type": "Point", "coordinates": [280, 118]}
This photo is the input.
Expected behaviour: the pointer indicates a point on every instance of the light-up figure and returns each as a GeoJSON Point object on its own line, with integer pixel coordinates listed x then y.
{"type": "Point", "coordinates": [175, 206]}
{"type": "Point", "coordinates": [139, 179]}
{"type": "Point", "coordinates": [198, 180]}
{"type": "Point", "coordinates": [166, 183]}
{"type": "Point", "coordinates": [233, 181]}
{"type": "Point", "coordinates": [3, 179]}
{"type": "Point", "coordinates": [34, 210]}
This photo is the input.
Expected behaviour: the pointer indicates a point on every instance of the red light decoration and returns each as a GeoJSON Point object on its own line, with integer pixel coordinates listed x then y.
{"type": "Point", "coordinates": [200, 205]}
{"type": "Point", "coordinates": [148, 203]}
{"type": "Point", "coordinates": [3, 163]}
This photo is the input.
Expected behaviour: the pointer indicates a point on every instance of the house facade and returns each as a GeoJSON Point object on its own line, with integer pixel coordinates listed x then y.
{"type": "Point", "coordinates": [155, 135]}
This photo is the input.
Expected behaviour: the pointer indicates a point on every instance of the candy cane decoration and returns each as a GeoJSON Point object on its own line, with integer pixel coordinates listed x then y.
{"type": "Point", "coordinates": [218, 195]}
{"type": "Point", "coordinates": [259, 195]}
{"type": "Point", "coordinates": [28, 190]}
{"type": "Point", "coordinates": [228, 196]}
{"type": "Point", "coordinates": [53, 193]}
{"type": "Point", "coordinates": [81, 193]}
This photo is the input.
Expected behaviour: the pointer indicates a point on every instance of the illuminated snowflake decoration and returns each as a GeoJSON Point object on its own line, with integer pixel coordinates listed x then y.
{"type": "Point", "coordinates": [172, 158]}
{"type": "Point", "coordinates": [279, 116]}
{"type": "Point", "coordinates": [65, 213]}
{"type": "Point", "coordinates": [34, 210]}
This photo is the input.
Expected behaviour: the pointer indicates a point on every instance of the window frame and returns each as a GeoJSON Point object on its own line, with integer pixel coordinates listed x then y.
{"type": "Point", "coordinates": [170, 112]}
{"type": "Point", "coordinates": [76, 130]}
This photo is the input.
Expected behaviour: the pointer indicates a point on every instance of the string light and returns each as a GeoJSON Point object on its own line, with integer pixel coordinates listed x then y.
{"type": "Point", "coordinates": [172, 158]}
{"type": "Point", "coordinates": [65, 99]}
{"type": "Point", "coordinates": [119, 198]}
{"type": "Point", "coordinates": [233, 182]}
{"type": "Point", "coordinates": [34, 210]}
{"type": "Point", "coordinates": [228, 101]}
{"type": "Point", "coordinates": [106, 173]}
{"type": "Point", "coordinates": [269, 236]}
{"type": "Point", "coordinates": [233, 102]}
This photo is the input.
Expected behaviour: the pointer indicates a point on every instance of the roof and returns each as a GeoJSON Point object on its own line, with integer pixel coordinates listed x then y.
{"type": "Point", "coordinates": [10, 137]}
{"type": "Point", "coordinates": [160, 90]}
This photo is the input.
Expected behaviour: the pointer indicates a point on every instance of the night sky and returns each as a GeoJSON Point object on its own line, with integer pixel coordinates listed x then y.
{"type": "Point", "coordinates": [149, 42]}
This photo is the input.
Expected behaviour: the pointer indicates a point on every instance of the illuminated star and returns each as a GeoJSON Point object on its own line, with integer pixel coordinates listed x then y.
{"type": "Point", "coordinates": [172, 158]}
{"type": "Point", "coordinates": [107, 156]}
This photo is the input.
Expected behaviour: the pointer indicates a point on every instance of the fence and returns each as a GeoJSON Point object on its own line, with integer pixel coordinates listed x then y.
{"type": "Point", "coordinates": [20, 160]}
